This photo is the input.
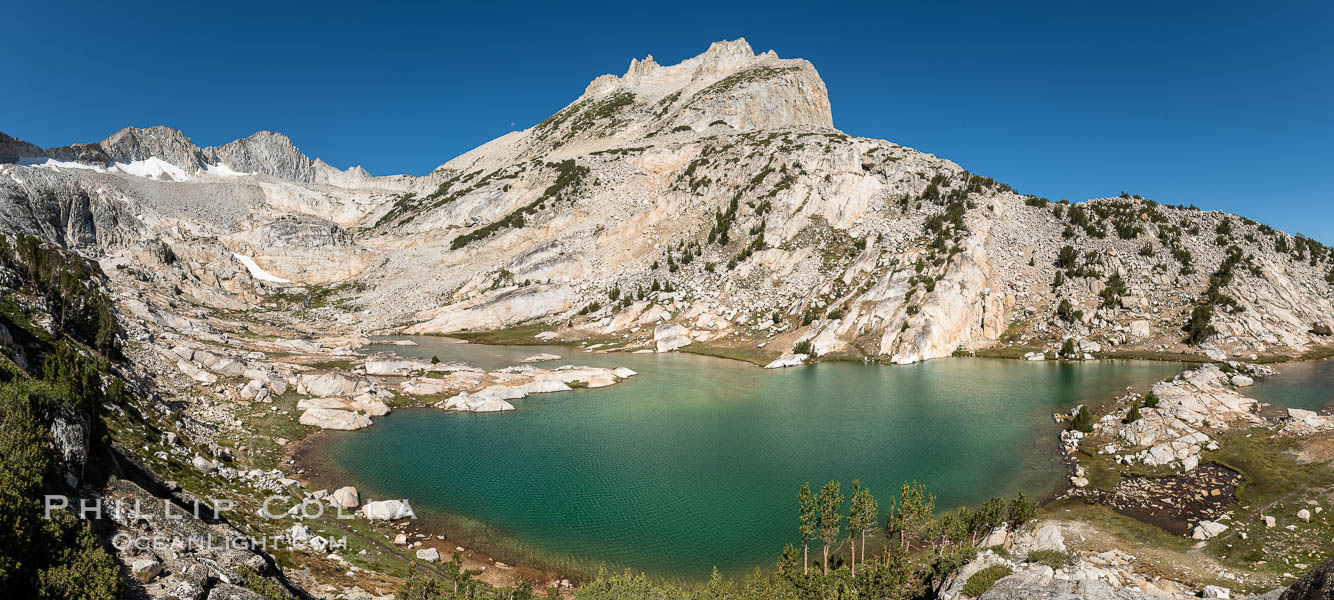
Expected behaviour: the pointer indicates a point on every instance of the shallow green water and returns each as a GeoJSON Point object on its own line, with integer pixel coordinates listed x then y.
{"type": "Point", "coordinates": [696, 462]}
{"type": "Point", "coordinates": [1308, 385]}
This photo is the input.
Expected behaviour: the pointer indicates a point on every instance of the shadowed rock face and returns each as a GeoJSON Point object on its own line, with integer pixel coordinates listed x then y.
{"type": "Point", "coordinates": [92, 154]}
{"type": "Point", "coordinates": [1316, 585]}
{"type": "Point", "coordinates": [12, 149]}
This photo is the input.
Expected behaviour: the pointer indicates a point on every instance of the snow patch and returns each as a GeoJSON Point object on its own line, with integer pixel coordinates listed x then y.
{"type": "Point", "coordinates": [222, 170]}
{"type": "Point", "coordinates": [153, 168]}
{"type": "Point", "coordinates": [257, 272]}
{"type": "Point", "coordinates": [53, 164]}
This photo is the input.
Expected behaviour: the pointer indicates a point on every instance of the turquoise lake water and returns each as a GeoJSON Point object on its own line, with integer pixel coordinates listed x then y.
{"type": "Point", "coordinates": [696, 462]}
{"type": "Point", "coordinates": [1308, 385]}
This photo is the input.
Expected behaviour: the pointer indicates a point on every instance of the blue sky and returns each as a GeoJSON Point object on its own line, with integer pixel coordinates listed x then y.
{"type": "Point", "coordinates": [1226, 105]}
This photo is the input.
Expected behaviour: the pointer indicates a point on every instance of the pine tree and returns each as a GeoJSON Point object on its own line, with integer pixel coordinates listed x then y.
{"type": "Point", "coordinates": [854, 515]}
{"type": "Point", "coordinates": [830, 521]}
{"type": "Point", "coordinates": [861, 517]}
{"type": "Point", "coordinates": [808, 512]}
{"type": "Point", "coordinates": [914, 508]}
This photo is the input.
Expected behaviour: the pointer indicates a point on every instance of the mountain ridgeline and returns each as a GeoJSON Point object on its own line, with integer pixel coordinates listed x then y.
{"type": "Point", "coordinates": [709, 204]}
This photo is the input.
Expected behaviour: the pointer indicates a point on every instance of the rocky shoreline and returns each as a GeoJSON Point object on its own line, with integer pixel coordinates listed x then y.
{"type": "Point", "coordinates": [428, 530]}
{"type": "Point", "coordinates": [1150, 453]}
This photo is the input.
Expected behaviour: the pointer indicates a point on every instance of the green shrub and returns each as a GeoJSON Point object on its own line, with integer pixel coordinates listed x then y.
{"type": "Point", "coordinates": [1198, 328]}
{"type": "Point", "coordinates": [1113, 291]}
{"type": "Point", "coordinates": [43, 558]}
{"type": "Point", "coordinates": [1068, 347]}
{"type": "Point", "coordinates": [804, 347]}
{"type": "Point", "coordinates": [1083, 421]}
{"type": "Point", "coordinates": [1066, 312]}
{"type": "Point", "coordinates": [1132, 416]}
{"type": "Point", "coordinates": [982, 581]}
{"type": "Point", "coordinates": [1150, 400]}
{"type": "Point", "coordinates": [66, 285]}
{"type": "Point", "coordinates": [1067, 258]}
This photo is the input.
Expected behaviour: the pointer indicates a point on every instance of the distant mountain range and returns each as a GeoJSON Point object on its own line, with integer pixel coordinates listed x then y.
{"type": "Point", "coordinates": [709, 202]}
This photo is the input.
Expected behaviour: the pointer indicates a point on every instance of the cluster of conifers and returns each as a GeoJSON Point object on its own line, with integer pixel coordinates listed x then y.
{"type": "Point", "coordinates": [908, 519]}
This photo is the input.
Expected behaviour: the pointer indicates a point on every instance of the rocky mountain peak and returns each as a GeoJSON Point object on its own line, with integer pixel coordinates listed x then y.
{"type": "Point", "coordinates": [134, 144]}
{"type": "Point", "coordinates": [168, 151]}
{"type": "Point", "coordinates": [727, 57]}
{"type": "Point", "coordinates": [266, 152]}
{"type": "Point", "coordinates": [726, 85]}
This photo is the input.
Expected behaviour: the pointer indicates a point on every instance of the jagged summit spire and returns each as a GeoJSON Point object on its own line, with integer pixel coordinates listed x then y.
{"type": "Point", "coordinates": [721, 55]}
{"type": "Point", "coordinates": [721, 58]}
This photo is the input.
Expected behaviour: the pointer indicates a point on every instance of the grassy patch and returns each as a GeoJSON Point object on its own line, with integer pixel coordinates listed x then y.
{"type": "Point", "coordinates": [1276, 484]}
{"type": "Point", "coordinates": [518, 335]}
{"type": "Point", "coordinates": [1052, 558]}
{"type": "Point", "coordinates": [1269, 467]}
{"type": "Point", "coordinates": [1014, 330]}
{"type": "Point", "coordinates": [317, 296]}
{"type": "Point", "coordinates": [1154, 355]}
{"type": "Point", "coordinates": [1133, 531]}
{"type": "Point", "coordinates": [1005, 351]}
{"type": "Point", "coordinates": [1312, 354]}
{"type": "Point", "coordinates": [264, 426]}
{"type": "Point", "coordinates": [344, 364]}
{"type": "Point", "coordinates": [754, 356]}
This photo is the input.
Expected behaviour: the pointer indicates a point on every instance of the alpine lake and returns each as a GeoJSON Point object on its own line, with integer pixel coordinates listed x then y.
{"type": "Point", "coordinates": [695, 463]}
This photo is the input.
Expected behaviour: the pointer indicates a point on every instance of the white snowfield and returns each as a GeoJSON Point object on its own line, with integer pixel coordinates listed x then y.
{"type": "Point", "coordinates": [153, 168]}
{"type": "Point", "coordinates": [257, 272]}
{"type": "Point", "coordinates": [222, 170]}
{"type": "Point", "coordinates": [52, 163]}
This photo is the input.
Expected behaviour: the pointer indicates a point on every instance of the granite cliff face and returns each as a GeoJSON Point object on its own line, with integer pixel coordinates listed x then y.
{"type": "Point", "coordinates": [715, 195]}
{"type": "Point", "coordinates": [266, 152]}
